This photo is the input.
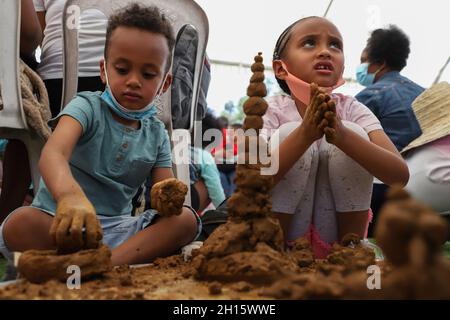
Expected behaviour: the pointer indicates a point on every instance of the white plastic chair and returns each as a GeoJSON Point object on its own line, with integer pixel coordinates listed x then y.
{"type": "Point", "coordinates": [181, 13]}
{"type": "Point", "coordinates": [13, 124]}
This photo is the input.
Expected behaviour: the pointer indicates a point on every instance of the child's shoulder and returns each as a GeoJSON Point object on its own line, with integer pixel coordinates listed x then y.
{"type": "Point", "coordinates": [345, 102]}
{"type": "Point", "coordinates": [281, 101]}
{"type": "Point", "coordinates": [154, 125]}
{"type": "Point", "coordinates": [280, 106]}
{"type": "Point", "coordinates": [85, 99]}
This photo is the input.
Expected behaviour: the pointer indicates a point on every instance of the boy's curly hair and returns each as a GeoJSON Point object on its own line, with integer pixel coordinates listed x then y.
{"type": "Point", "coordinates": [144, 18]}
{"type": "Point", "coordinates": [389, 45]}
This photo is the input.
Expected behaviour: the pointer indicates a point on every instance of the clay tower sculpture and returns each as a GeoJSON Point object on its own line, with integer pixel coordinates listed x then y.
{"type": "Point", "coordinates": [250, 245]}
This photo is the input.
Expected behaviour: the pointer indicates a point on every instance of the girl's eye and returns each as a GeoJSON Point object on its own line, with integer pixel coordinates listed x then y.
{"type": "Point", "coordinates": [309, 43]}
{"type": "Point", "coordinates": [336, 45]}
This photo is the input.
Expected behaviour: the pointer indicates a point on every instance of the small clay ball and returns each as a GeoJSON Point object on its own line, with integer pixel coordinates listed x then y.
{"type": "Point", "coordinates": [257, 66]}
{"type": "Point", "coordinates": [255, 106]}
{"type": "Point", "coordinates": [257, 77]}
{"type": "Point", "coordinates": [257, 89]}
{"type": "Point", "coordinates": [253, 122]}
{"type": "Point", "coordinates": [259, 57]}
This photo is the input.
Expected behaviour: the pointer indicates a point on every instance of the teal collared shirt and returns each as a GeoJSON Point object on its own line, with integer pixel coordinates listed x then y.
{"type": "Point", "coordinates": [110, 160]}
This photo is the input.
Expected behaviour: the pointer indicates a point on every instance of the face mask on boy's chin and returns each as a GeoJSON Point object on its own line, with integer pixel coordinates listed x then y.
{"type": "Point", "coordinates": [146, 112]}
{"type": "Point", "coordinates": [301, 89]}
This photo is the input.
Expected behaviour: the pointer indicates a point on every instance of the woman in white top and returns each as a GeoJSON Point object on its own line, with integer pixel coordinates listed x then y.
{"type": "Point", "coordinates": [428, 156]}
{"type": "Point", "coordinates": [91, 43]}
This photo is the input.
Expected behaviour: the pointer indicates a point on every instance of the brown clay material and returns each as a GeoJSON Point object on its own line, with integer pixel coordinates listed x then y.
{"type": "Point", "coordinates": [255, 106]}
{"type": "Point", "coordinates": [168, 196]}
{"type": "Point", "coordinates": [253, 122]}
{"type": "Point", "coordinates": [257, 67]}
{"type": "Point", "coordinates": [246, 259]}
{"type": "Point", "coordinates": [256, 89]}
{"type": "Point", "coordinates": [257, 77]}
{"type": "Point", "coordinates": [38, 266]}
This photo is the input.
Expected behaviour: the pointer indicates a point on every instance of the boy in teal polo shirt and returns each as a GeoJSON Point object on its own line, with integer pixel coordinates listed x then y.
{"type": "Point", "coordinates": [103, 147]}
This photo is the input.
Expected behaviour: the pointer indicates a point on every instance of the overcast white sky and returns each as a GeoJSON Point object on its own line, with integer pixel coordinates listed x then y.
{"type": "Point", "coordinates": [238, 29]}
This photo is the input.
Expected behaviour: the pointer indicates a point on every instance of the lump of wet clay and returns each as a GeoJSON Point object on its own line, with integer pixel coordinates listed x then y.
{"type": "Point", "coordinates": [351, 254]}
{"type": "Point", "coordinates": [244, 205]}
{"type": "Point", "coordinates": [401, 220]}
{"type": "Point", "coordinates": [306, 286]}
{"type": "Point", "coordinates": [255, 106]}
{"type": "Point", "coordinates": [167, 196]}
{"type": "Point", "coordinates": [257, 89]}
{"type": "Point", "coordinates": [253, 122]}
{"type": "Point", "coordinates": [257, 67]}
{"type": "Point", "coordinates": [39, 266]}
{"type": "Point", "coordinates": [262, 266]}
{"type": "Point", "coordinates": [253, 179]}
{"type": "Point", "coordinates": [257, 77]}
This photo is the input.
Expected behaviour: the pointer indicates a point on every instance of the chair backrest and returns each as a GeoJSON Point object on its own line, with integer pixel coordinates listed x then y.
{"type": "Point", "coordinates": [180, 12]}
{"type": "Point", "coordinates": [11, 114]}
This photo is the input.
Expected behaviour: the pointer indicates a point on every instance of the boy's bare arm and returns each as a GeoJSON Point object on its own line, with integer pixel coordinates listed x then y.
{"type": "Point", "coordinates": [54, 161]}
{"type": "Point", "coordinates": [74, 211]}
{"type": "Point", "coordinates": [160, 174]}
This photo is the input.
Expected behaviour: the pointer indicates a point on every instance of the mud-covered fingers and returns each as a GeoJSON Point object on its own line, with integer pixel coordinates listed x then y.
{"type": "Point", "coordinates": [317, 116]}
{"type": "Point", "coordinates": [93, 231]}
{"type": "Point", "coordinates": [319, 113]}
{"type": "Point", "coordinates": [323, 124]}
{"type": "Point", "coordinates": [160, 206]}
{"type": "Point", "coordinates": [63, 239]}
{"type": "Point", "coordinates": [54, 227]}
{"type": "Point", "coordinates": [153, 196]}
{"type": "Point", "coordinates": [331, 118]}
{"type": "Point", "coordinates": [329, 133]}
{"type": "Point", "coordinates": [332, 105]}
{"type": "Point", "coordinates": [314, 97]}
{"type": "Point", "coordinates": [313, 91]}
{"type": "Point", "coordinates": [76, 231]}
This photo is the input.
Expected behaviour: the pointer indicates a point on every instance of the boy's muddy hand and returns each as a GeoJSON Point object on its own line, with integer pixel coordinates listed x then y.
{"type": "Point", "coordinates": [167, 197]}
{"type": "Point", "coordinates": [73, 212]}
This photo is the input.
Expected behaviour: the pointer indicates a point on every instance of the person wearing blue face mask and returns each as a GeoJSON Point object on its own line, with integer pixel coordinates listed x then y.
{"type": "Point", "coordinates": [388, 94]}
{"type": "Point", "coordinates": [103, 148]}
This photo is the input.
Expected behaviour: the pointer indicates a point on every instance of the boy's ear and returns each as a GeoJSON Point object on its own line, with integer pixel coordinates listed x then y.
{"type": "Point", "coordinates": [167, 82]}
{"type": "Point", "coordinates": [279, 70]}
{"type": "Point", "coordinates": [102, 70]}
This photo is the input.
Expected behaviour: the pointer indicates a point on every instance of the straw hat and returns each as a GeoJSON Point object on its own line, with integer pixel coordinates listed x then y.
{"type": "Point", "coordinates": [432, 109]}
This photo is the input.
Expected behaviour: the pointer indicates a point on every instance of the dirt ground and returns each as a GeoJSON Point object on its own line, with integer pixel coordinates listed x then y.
{"type": "Point", "coordinates": [169, 278]}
